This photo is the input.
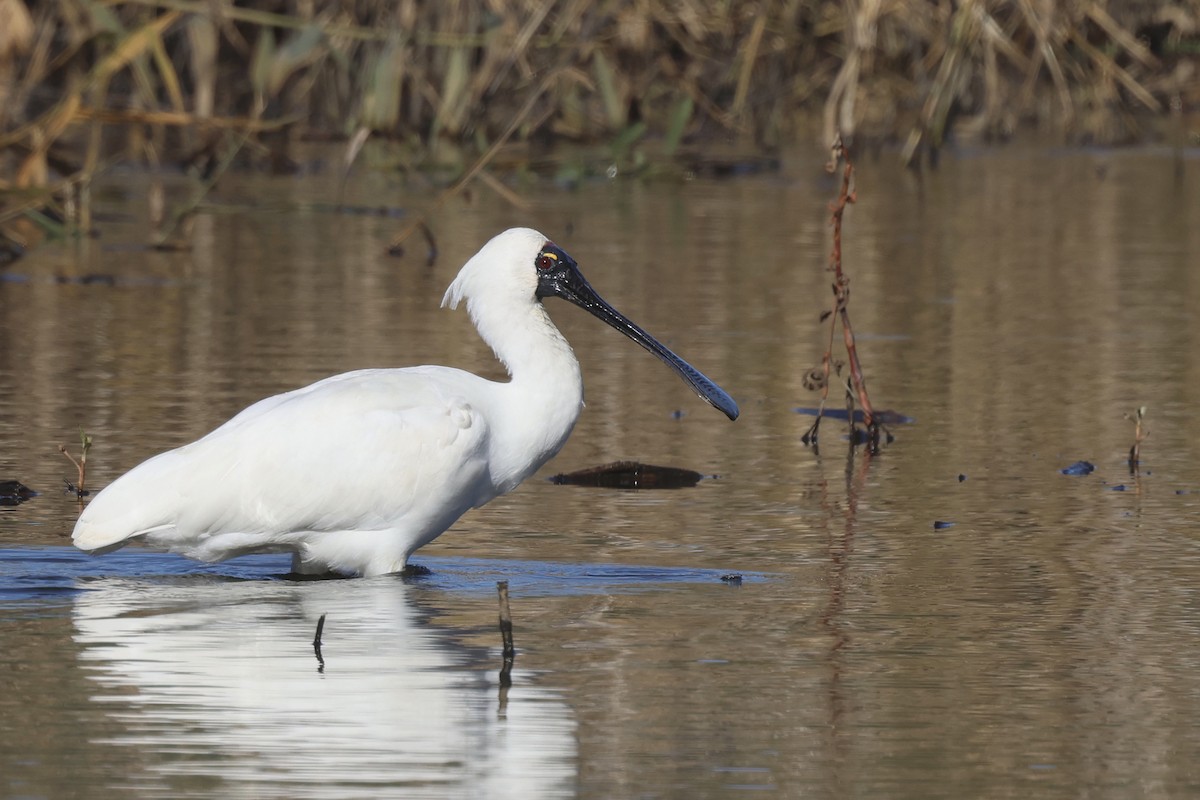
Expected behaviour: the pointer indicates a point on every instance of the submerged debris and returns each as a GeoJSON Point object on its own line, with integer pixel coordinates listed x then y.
{"type": "Point", "coordinates": [14, 493]}
{"type": "Point", "coordinates": [1079, 468]}
{"type": "Point", "coordinates": [90, 279]}
{"type": "Point", "coordinates": [1139, 435]}
{"type": "Point", "coordinates": [885, 416]}
{"type": "Point", "coordinates": [630, 475]}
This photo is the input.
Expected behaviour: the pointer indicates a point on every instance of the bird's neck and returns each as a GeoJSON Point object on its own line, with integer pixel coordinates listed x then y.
{"type": "Point", "coordinates": [529, 345]}
{"type": "Point", "coordinates": [543, 399]}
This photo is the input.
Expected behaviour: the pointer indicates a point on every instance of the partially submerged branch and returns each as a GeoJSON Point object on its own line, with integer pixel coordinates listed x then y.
{"type": "Point", "coordinates": [506, 635]}
{"type": "Point", "coordinates": [85, 444]}
{"type": "Point", "coordinates": [856, 385]}
{"type": "Point", "coordinates": [1139, 435]}
{"type": "Point", "coordinates": [856, 388]}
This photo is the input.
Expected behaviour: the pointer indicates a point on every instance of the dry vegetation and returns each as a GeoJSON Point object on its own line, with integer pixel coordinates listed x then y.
{"type": "Point", "coordinates": [198, 82]}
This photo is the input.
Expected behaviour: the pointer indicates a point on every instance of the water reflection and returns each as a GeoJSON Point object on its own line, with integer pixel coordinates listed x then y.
{"type": "Point", "coordinates": [1017, 305]}
{"type": "Point", "coordinates": [215, 681]}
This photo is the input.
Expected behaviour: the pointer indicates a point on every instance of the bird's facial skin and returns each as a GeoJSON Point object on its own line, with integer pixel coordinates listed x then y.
{"type": "Point", "coordinates": [559, 276]}
{"type": "Point", "coordinates": [554, 267]}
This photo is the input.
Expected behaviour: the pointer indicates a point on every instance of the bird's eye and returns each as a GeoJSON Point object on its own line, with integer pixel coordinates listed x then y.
{"type": "Point", "coordinates": [546, 261]}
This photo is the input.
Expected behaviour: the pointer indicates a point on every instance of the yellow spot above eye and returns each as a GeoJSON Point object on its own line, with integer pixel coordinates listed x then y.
{"type": "Point", "coordinates": [550, 255]}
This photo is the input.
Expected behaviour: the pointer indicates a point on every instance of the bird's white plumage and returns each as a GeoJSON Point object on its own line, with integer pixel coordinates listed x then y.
{"type": "Point", "coordinates": [357, 471]}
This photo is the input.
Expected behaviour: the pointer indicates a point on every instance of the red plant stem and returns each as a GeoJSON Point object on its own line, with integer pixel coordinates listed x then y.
{"type": "Point", "coordinates": [856, 373]}
{"type": "Point", "coordinates": [841, 284]}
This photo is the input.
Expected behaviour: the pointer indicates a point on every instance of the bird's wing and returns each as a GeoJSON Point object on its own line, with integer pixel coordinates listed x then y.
{"type": "Point", "coordinates": [369, 450]}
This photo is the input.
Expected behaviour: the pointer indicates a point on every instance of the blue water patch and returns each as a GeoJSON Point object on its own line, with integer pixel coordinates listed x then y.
{"type": "Point", "coordinates": [47, 575]}
{"type": "Point", "coordinates": [545, 578]}
{"type": "Point", "coordinates": [58, 573]}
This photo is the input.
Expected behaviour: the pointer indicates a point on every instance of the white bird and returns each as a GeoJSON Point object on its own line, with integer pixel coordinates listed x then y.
{"type": "Point", "coordinates": [355, 472]}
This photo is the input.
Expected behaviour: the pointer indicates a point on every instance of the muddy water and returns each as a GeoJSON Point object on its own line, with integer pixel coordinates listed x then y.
{"type": "Point", "coordinates": [1016, 304]}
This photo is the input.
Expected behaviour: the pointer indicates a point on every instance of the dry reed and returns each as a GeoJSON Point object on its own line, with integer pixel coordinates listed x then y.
{"type": "Point", "coordinates": [165, 81]}
{"type": "Point", "coordinates": [85, 445]}
{"type": "Point", "coordinates": [856, 386]}
{"type": "Point", "coordinates": [1139, 435]}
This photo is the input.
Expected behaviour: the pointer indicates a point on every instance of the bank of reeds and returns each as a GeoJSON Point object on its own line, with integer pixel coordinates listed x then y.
{"type": "Point", "coordinates": [198, 82]}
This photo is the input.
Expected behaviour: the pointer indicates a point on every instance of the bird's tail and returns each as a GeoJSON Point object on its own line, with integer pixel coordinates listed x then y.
{"type": "Point", "coordinates": [134, 505]}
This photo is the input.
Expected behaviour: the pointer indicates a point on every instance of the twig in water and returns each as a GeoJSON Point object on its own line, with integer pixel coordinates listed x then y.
{"type": "Point", "coordinates": [841, 298]}
{"type": "Point", "coordinates": [175, 233]}
{"type": "Point", "coordinates": [1139, 435]}
{"type": "Point", "coordinates": [506, 626]}
{"type": "Point", "coordinates": [432, 254]}
{"type": "Point", "coordinates": [317, 644]}
{"type": "Point", "coordinates": [506, 634]}
{"type": "Point", "coordinates": [85, 444]}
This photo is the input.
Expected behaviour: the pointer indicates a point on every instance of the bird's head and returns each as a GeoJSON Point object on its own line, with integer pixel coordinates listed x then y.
{"type": "Point", "coordinates": [520, 267]}
{"type": "Point", "coordinates": [505, 269]}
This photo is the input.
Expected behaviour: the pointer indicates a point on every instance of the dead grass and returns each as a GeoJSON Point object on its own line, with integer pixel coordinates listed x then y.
{"type": "Point", "coordinates": [83, 82]}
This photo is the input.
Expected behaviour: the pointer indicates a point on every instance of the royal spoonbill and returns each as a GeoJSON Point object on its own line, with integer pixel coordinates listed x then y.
{"type": "Point", "coordinates": [355, 472]}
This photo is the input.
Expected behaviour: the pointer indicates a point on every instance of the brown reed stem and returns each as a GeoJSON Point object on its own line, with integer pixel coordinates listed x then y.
{"type": "Point", "coordinates": [840, 154]}
{"type": "Point", "coordinates": [396, 245]}
{"type": "Point", "coordinates": [841, 283]}
{"type": "Point", "coordinates": [85, 444]}
{"type": "Point", "coordinates": [175, 232]}
{"type": "Point", "coordinates": [506, 625]}
{"type": "Point", "coordinates": [82, 470]}
{"type": "Point", "coordinates": [1139, 435]}
{"type": "Point", "coordinates": [506, 636]}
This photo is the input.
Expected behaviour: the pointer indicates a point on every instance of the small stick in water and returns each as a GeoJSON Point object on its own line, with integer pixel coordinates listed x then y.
{"type": "Point", "coordinates": [507, 636]}
{"type": "Point", "coordinates": [432, 254]}
{"type": "Point", "coordinates": [506, 627]}
{"type": "Point", "coordinates": [317, 644]}
{"type": "Point", "coordinates": [1139, 436]}
{"type": "Point", "coordinates": [85, 444]}
{"type": "Point", "coordinates": [819, 378]}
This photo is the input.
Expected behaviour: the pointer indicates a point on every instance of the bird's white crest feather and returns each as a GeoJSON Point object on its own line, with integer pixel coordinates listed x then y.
{"type": "Point", "coordinates": [503, 269]}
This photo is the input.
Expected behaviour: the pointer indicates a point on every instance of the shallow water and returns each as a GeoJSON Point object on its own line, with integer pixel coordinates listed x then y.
{"type": "Point", "coordinates": [1016, 304]}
